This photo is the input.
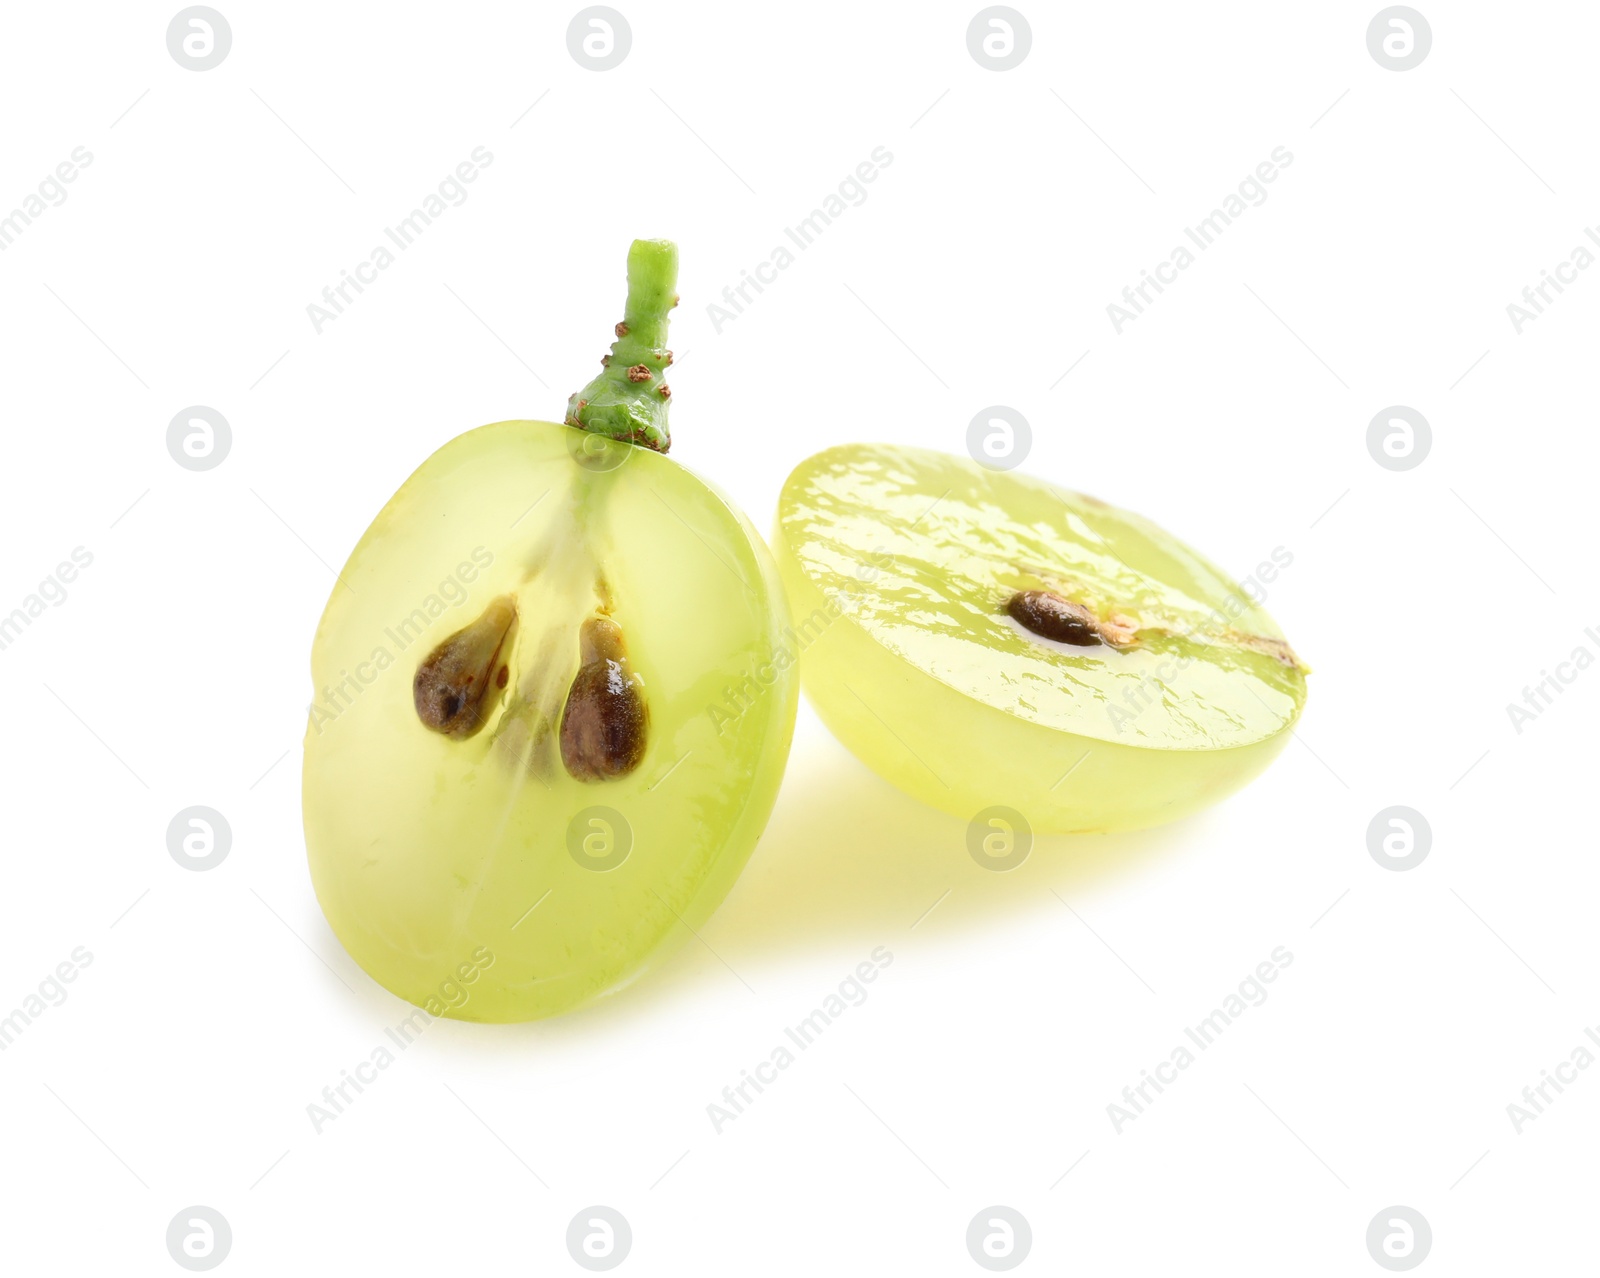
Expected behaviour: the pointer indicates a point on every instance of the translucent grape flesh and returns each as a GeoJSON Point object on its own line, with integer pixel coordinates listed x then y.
{"type": "Point", "coordinates": [899, 563]}
{"type": "Point", "coordinates": [446, 866]}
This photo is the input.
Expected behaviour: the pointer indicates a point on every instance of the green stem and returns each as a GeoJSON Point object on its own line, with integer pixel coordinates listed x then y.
{"type": "Point", "coordinates": [628, 400]}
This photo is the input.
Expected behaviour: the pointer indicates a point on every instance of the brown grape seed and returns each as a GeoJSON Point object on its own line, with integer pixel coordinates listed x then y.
{"type": "Point", "coordinates": [605, 723]}
{"type": "Point", "coordinates": [1051, 617]}
{"type": "Point", "coordinates": [451, 688]}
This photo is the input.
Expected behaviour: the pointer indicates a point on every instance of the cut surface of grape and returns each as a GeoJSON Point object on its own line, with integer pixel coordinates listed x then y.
{"type": "Point", "coordinates": [982, 638]}
{"type": "Point", "coordinates": [523, 784]}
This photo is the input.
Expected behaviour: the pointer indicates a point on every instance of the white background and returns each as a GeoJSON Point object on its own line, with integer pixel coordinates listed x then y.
{"type": "Point", "coordinates": [1018, 204]}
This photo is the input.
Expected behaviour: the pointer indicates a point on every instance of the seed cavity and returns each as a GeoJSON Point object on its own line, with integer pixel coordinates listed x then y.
{"type": "Point", "coordinates": [605, 723]}
{"type": "Point", "coordinates": [451, 691]}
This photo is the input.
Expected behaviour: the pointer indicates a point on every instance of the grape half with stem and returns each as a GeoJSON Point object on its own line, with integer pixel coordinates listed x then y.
{"type": "Point", "coordinates": [981, 638]}
{"type": "Point", "coordinates": [523, 782]}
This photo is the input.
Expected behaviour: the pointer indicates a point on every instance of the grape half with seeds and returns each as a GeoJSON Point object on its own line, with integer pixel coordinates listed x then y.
{"type": "Point", "coordinates": [523, 781]}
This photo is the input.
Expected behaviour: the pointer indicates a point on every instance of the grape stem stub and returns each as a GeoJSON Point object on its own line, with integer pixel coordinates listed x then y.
{"type": "Point", "coordinates": [628, 400]}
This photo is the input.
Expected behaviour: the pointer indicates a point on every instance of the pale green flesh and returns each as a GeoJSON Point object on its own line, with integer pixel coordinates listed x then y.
{"type": "Point", "coordinates": [427, 851]}
{"type": "Point", "coordinates": [916, 553]}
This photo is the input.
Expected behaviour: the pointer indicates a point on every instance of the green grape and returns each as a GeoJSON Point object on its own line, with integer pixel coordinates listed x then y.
{"type": "Point", "coordinates": [980, 638]}
{"type": "Point", "coordinates": [525, 778]}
